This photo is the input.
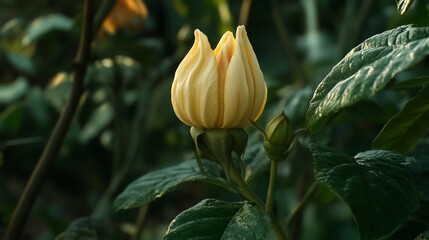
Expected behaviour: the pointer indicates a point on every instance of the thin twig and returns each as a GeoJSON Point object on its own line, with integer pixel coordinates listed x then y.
{"type": "Point", "coordinates": [247, 192]}
{"type": "Point", "coordinates": [352, 25]}
{"type": "Point", "coordinates": [303, 202]}
{"type": "Point", "coordinates": [50, 152]}
{"type": "Point", "coordinates": [286, 42]}
{"type": "Point", "coordinates": [244, 12]}
{"type": "Point", "coordinates": [139, 222]}
{"type": "Point", "coordinates": [361, 17]}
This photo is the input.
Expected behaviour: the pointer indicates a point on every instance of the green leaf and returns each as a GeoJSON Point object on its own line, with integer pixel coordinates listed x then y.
{"type": "Point", "coordinates": [215, 219]}
{"type": "Point", "coordinates": [411, 83]}
{"type": "Point", "coordinates": [9, 93]}
{"type": "Point", "coordinates": [157, 183]}
{"type": "Point", "coordinates": [98, 121]}
{"type": "Point", "coordinates": [21, 62]}
{"type": "Point", "coordinates": [45, 24]}
{"type": "Point", "coordinates": [403, 5]}
{"type": "Point", "coordinates": [297, 104]}
{"type": "Point", "coordinates": [11, 119]}
{"type": "Point", "coordinates": [403, 132]}
{"type": "Point", "coordinates": [58, 91]}
{"type": "Point", "coordinates": [375, 184]}
{"type": "Point", "coordinates": [365, 70]}
{"type": "Point", "coordinates": [255, 160]}
{"type": "Point", "coordinates": [84, 228]}
{"type": "Point", "coordinates": [249, 223]}
{"type": "Point", "coordinates": [423, 236]}
{"type": "Point", "coordinates": [37, 106]}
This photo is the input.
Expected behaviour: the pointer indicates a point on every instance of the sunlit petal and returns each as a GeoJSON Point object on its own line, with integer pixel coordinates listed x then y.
{"type": "Point", "coordinates": [223, 58]}
{"type": "Point", "coordinates": [260, 88]}
{"type": "Point", "coordinates": [238, 90]}
{"type": "Point", "coordinates": [195, 85]}
{"type": "Point", "coordinates": [228, 36]}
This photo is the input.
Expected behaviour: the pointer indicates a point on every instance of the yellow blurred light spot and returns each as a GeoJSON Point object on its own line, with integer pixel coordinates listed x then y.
{"type": "Point", "coordinates": [126, 15]}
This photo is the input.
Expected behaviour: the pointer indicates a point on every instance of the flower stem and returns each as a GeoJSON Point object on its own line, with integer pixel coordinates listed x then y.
{"type": "Point", "coordinates": [244, 188]}
{"type": "Point", "coordinates": [280, 234]}
{"type": "Point", "coordinates": [250, 195]}
{"type": "Point", "coordinates": [271, 187]}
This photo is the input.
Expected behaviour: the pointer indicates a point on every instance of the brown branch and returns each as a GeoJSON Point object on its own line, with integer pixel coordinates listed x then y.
{"type": "Point", "coordinates": [50, 152]}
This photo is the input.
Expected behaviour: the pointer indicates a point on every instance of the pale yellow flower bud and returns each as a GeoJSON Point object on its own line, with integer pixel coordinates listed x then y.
{"type": "Point", "coordinates": [220, 88]}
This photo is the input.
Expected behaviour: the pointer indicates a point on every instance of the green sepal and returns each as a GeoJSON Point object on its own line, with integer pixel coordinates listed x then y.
{"type": "Point", "coordinates": [240, 141]}
{"type": "Point", "coordinates": [276, 152]}
{"type": "Point", "coordinates": [195, 132]}
{"type": "Point", "coordinates": [219, 144]}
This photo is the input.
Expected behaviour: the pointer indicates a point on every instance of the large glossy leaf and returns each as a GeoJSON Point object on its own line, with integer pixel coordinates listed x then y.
{"type": "Point", "coordinates": [214, 219]}
{"type": "Point", "coordinates": [403, 132]}
{"type": "Point", "coordinates": [84, 228]}
{"type": "Point", "coordinates": [157, 183]}
{"type": "Point", "coordinates": [375, 184]}
{"type": "Point", "coordinates": [365, 70]}
{"type": "Point", "coordinates": [411, 83]}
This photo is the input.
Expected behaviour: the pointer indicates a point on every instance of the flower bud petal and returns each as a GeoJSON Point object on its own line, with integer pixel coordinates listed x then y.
{"type": "Point", "coordinates": [260, 88]}
{"type": "Point", "coordinates": [194, 93]}
{"type": "Point", "coordinates": [223, 53]}
{"type": "Point", "coordinates": [245, 89]}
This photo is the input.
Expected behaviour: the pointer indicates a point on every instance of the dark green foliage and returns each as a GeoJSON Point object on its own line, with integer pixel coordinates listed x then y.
{"type": "Point", "coordinates": [366, 70]}
{"type": "Point", "coordinates": [375, 184]}
{"type": "Point", "coordinates": [406, 129]}
{"type": "Point", "coordinates": [157, 183]}
{"type": "Point", "coordinates": [126, 149]}
{"type": "Point", "coordinates": [214, 219]}
{"type": "Point", "coordinates": [84, 228]}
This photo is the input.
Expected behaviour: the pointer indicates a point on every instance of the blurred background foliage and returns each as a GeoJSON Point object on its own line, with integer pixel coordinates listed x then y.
{"type": "Point", "coordinates": [125, 125]}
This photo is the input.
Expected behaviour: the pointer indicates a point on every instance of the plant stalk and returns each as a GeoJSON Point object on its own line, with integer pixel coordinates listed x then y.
{"type": "Point", "coordinates": [244, 188]}
{"type": "Point", "coordinates": [250, 195]}
{"type": "Point", "coordinates": [40, 172]}
{"type": "Point", "coordinates": [269, 205]}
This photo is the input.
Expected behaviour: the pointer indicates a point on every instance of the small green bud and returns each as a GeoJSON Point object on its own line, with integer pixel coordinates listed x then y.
{"type": "Point", "coordinates": [278, 137]}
